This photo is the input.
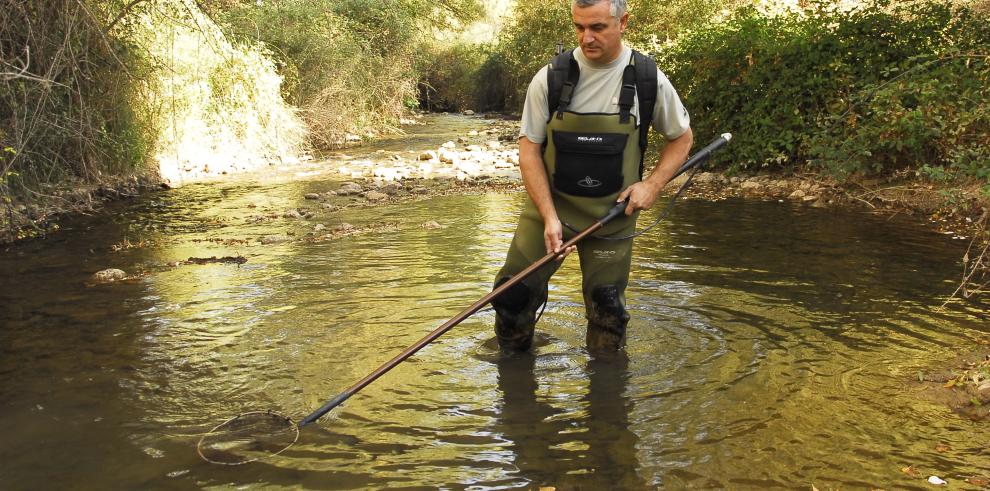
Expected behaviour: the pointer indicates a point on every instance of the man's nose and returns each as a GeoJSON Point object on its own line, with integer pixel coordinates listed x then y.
{"type": "Point", "coordinates": [587, 37]}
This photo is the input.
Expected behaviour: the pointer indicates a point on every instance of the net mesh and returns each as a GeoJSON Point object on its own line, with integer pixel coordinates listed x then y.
{"type": "Point", "coordinates": [248, 437]}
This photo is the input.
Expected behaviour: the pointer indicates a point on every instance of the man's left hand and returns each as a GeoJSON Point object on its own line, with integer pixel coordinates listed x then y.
{"type": "Point", "coordinates": [641, 196]}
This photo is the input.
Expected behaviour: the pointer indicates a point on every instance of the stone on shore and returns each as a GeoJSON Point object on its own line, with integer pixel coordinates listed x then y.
{"type": "Point", "coordinates": [349, 188]}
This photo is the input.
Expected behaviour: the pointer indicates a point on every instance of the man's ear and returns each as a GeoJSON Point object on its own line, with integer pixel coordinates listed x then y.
{"type": "Point", "coordinates": [623, 22]}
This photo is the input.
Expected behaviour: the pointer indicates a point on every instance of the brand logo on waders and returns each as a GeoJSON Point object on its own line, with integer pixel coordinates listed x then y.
{"type": "Point", "coordinates": [590, 139]}
{"type": "Point", "coordinates": [588, 182]}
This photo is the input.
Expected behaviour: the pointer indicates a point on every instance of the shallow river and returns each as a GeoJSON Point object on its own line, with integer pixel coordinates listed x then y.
{"type": "Point", "coordinates": [771, 346]}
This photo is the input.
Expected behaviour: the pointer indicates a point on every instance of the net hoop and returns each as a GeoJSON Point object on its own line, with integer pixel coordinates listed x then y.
{"type": "Point", "coordinates": [270, 414]}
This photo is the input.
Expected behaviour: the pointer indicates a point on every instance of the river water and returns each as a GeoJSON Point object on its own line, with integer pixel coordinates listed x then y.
{"type": "Point", "coordinates": [771, 345]}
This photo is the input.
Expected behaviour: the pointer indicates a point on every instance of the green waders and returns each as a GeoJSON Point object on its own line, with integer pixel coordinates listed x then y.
{"type": "Point", "coordinates": [590, 159]}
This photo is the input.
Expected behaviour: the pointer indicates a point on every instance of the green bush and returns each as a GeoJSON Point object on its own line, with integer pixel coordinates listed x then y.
{"type": "Point", "coordinates": [811, 85]}
{"type": "Point", "coordinates": [450, 77]}
{"type": "Point", "coordinates": [934, 116]}
{"type": "Point", "coordinates": [66, 116]}
{"type": "Point", "coordinates": [527, 43]}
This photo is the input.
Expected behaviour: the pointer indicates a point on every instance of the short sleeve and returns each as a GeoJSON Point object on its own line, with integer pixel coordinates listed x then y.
{"type": "Point", "coordinates": [670, 117]}
{"type": "Point", "coordinates": [536, 111]}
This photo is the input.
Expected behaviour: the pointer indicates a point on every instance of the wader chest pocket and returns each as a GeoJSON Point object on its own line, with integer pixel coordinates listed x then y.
{"type": "Point", "coordinates": [588, 164]}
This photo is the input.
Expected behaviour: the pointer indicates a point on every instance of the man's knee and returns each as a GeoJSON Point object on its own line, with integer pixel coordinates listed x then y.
{"type": "Point", "coordinates": [607, 319]}
{"type": "Point", "coordinates": [606, 308]}
{"type": "Point", "coordinates": [515, 316]}
{"type": "Point", "coordinates": [512, 301]}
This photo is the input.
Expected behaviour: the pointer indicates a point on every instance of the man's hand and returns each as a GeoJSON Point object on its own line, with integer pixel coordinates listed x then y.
{"type": "Point", "coordinates": [644, 193]}
{"type": "Point", "coordinates": [553, 238]}
{"type": "Point", "coordinates": [641, 196]}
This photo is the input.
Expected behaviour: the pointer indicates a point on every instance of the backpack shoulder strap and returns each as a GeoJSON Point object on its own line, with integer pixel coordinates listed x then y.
{"type": "Point", "coordinates": [562, 77]}
{"type": "Point", "coordinates": [646, 89]}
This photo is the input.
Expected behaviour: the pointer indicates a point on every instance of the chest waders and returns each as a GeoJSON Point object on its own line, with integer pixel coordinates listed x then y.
{"type": "Point", "coordinates": [589, 159]}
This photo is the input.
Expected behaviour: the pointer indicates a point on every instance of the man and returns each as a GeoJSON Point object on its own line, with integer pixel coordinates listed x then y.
{"type": "Point", "coordinates": [577, 163]}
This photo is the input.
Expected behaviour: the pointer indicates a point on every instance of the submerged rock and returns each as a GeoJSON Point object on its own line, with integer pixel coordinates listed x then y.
{"type": "Point", "coordinates": [108, 275]}
{"type": "Point", "coordinates": [274, 239]}
{"type": "Point", "coordinates": [375, 196]}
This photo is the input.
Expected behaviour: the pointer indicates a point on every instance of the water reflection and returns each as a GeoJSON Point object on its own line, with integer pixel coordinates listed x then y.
{"type": "Point", "coordinates": [591, 449]}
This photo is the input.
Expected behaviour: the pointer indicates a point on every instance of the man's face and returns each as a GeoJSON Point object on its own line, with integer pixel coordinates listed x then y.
{"type": "Point", "coordinates": [599, 33]}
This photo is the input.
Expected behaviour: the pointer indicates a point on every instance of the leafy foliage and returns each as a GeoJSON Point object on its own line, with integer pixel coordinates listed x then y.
{"type": "Point", "coordinates": [816, 85]}
{"type": "Point", "coordinates": [348, 64]}
{"type": "Point", "coordinates": [65, 115]}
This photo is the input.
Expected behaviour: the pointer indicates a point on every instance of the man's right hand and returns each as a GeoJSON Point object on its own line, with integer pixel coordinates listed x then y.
{"type": "Point", "coordinates": [553, 238]}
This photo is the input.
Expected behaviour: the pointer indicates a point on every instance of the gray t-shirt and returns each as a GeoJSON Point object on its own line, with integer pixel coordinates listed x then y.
{"type": "Point", "coordinates": [598, 92]}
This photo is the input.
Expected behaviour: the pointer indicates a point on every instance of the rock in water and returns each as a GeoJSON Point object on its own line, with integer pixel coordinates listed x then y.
{"type": "Point", "coordinates": [274, 239]}
{"type": "Point", "coordinates": [109, 275]}
{"type": "Point", "coordinates": [375, 196]}
{"type": "Point", "coordinates": [349, 188]}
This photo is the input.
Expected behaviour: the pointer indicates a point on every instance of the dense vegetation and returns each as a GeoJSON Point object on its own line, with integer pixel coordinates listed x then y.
{"type": "Point", "coordinates": [349, 65]}
{"type": "Point", "coordinates": [879, 88]}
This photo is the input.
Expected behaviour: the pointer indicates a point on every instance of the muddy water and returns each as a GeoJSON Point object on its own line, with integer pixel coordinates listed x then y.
{"type": "Point", "coordinates": [771, 345]}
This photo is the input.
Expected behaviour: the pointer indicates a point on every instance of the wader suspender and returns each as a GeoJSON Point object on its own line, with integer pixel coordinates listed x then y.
{"type": "Point", "coordinates": [562, 78]}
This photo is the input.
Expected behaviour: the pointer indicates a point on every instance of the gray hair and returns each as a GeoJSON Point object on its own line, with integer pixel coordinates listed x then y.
{"type": "Point", "coordinates": [616, 8]}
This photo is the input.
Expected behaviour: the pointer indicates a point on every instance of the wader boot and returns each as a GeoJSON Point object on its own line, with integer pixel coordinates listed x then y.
{"type": "Point", "coordinates": [607, 319]}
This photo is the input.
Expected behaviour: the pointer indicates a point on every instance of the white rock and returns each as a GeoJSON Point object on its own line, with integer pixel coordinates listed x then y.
{"type": "Point", "coordinates": [109, 275]}
{"type": "Point", "coordinates": [938, 481]}
{"type": "Point", "coordinates": [387, 173]}
{"type": "Point", "coordinates": [425, 169]}
{"type": "Point", "coordinates": [468, 167]}
{"type": "Point", "coordinates": [449, 157]}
